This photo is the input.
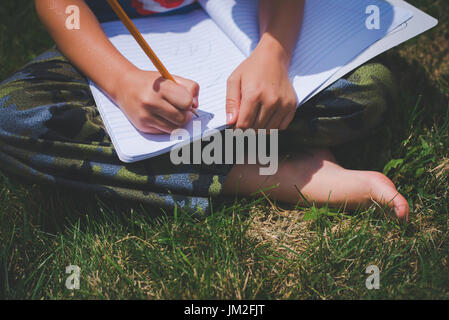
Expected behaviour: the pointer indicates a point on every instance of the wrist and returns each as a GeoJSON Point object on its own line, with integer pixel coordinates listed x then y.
{"type": "Point", "coordinates": [274, 50]}
{"type": "Point", "coordinates": [121, 80]}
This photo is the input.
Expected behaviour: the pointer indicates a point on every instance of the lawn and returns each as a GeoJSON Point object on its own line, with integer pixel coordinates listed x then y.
{"type": "Point", "coordinates": [248, 248]}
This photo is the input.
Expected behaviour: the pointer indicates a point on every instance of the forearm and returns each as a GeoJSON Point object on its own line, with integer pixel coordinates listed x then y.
{"type": "Point", "coordinates": [87, 48]}
{"type": "Point", "coordinates": [280, 24]}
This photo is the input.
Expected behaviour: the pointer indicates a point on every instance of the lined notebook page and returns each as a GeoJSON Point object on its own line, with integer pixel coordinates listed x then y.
{"type": "Point", "coordinates": [333, 33]}
{"type": "Point", "coordinates": [191, 46]}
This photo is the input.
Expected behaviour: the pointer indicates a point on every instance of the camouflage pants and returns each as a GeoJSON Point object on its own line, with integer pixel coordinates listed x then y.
{"type": "Point", "coordinates": [51, 131]}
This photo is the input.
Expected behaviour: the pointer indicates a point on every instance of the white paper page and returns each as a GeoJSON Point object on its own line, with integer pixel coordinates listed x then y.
{"type": "Point", "coordinates": [333, 33]}
{"type": "Point", "coordinates": [191, 46]}
{"type": "Point", "coordinates": [419, 23]}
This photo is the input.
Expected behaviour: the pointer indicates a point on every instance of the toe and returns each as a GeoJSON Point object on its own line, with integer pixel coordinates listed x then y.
{"type": "Point", "coordinates": [401, 207]}
{"type": "Point", "coordinates": [384, 192]}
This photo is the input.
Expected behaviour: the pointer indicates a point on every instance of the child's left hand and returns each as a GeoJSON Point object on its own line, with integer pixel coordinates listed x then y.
{"type": "Point", "coordinates": [259, 92]}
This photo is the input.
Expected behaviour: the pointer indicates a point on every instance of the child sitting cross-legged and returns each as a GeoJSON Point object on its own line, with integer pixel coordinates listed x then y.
{"type": "Point", "coordinates": [51, 131]}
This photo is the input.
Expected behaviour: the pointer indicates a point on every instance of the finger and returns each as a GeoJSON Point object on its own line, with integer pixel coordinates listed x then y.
{"type": "Point", "coordinates": [170, 113]}
{"type": "Point", "coordinates": [233, 98]}
{"type": "Point", "coordinates": [177, 95]}
{"type": "Point", "coordinates": [266, 113]}
{"type": "Point", "coordinates": [286, 121]}
{"type": "Point", "coordinates": [152, 130]}
{"type": "Point", "coordinates": [248, 112]}
{"type": "Point", "coordinates": [276, 119]}
{"type": "Point", "coordinates": [191, 86]}
{"type": "Point", "coordinates": [159, 123]}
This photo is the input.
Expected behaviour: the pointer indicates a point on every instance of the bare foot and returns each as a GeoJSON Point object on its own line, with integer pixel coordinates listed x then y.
{"type": "Point", "coordinates": [321, 179]}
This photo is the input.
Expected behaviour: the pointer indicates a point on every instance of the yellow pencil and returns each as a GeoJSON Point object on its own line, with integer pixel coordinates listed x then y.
{"type": "Point", "coordinates": [141, 41]}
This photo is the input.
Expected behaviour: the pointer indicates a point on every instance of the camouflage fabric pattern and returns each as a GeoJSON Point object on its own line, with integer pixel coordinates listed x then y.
{"type": "Point", "coordinates": [350, 108]}
{"type": "Point", "coordinates": [51, 131]}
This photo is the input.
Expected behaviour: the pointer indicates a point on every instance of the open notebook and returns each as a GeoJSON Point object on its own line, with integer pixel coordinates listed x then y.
{"type": "Point", "coordinates": [207, 44]}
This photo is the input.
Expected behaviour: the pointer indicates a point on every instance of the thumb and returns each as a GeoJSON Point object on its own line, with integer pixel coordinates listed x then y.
{"type": "Point", "coordinates": [233, 97]}
{"type": "Point", "coordinates": [192, 87]}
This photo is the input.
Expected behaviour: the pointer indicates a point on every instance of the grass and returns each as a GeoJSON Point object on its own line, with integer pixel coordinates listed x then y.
{"type": "Point", "coordinates": [248, 249]}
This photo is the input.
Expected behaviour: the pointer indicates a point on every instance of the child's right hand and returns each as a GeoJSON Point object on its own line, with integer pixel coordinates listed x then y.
{"type": "Point", "coordinates": [154, 104]}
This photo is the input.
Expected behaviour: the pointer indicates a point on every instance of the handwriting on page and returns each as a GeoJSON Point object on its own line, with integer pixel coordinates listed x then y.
{"type": "Point", "coordinates": [189, 49]}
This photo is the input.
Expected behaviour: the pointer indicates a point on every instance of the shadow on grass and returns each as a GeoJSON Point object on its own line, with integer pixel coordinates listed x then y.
{"type": "Point", "coordinates": [48, 229]}
{"type": "Point", "coordinates": [421, 104]}
{"type": "Point", "coordinates": [55, 208]}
